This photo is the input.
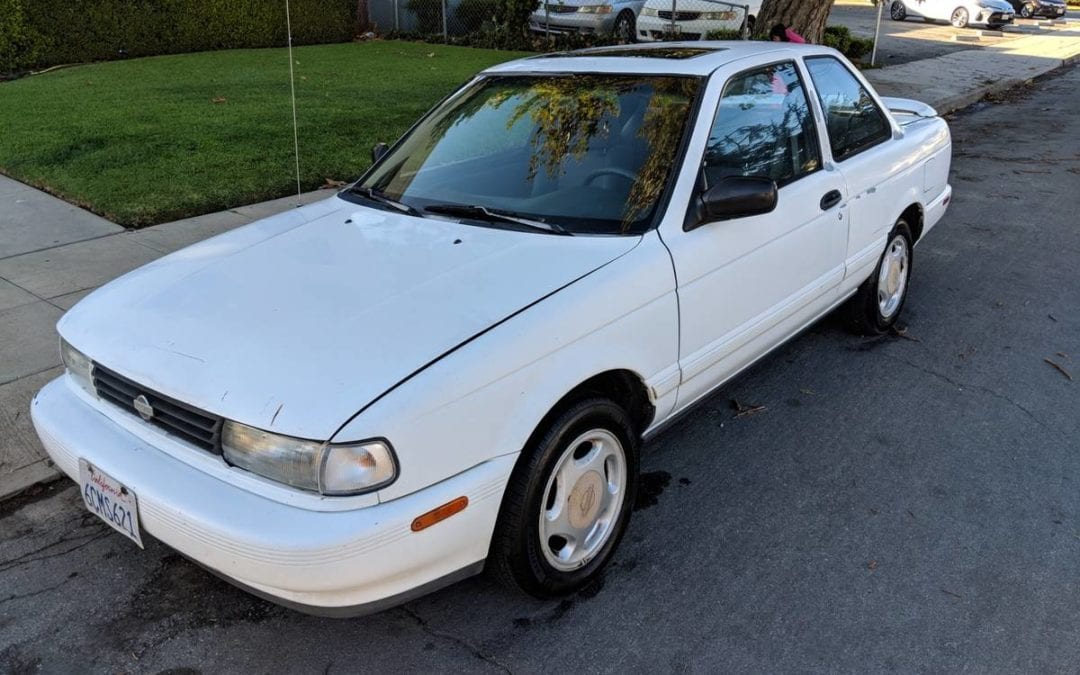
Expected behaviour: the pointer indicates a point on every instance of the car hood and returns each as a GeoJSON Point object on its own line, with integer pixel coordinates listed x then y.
{"type": "Point", "coordinates": [295, 323]}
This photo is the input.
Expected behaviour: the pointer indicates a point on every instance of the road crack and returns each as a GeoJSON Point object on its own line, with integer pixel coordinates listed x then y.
{"type": "Point", "coordinates": [974, 387]}
{"type": "Point", "coordinates": [468, 646]}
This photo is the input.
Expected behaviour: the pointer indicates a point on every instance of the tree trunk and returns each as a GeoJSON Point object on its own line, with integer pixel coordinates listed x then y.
{"type": "Point", "coordinates": [805, 17]}
{"type": "Point", "coordinates": [363, 23]}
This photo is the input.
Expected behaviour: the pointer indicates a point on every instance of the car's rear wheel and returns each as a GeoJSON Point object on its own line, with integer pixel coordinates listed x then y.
{"type": "Point", "coordinates": [625, 26]}
{"type": "Point", "coordinates": [897, 11]}
{"type": "Point", "coordinates": [876, 306]}
{"type": "Point", "coordinates": [1027, 11]}
{"type": "Point", "coordinates": [959, 18]}
{"type": "Point", "coordinates": [568, 501]}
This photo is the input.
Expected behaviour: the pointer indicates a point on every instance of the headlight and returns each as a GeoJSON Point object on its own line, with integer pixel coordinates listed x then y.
{"type": "Point", "coordinates": [718, 16]}
{"type": "Point", "coordinates": [649, 11]}
{"type": "Point", "coordinates": [78, 366]}
{"type": "Point", "coordinates": [330, 469]}
{"type": "Point", "coordinates": [595, 9]}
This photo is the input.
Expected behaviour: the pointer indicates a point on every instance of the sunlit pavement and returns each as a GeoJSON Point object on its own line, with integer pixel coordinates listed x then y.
{"type": "Point", "coordinates": [915, 39]}
{"type": "Point", "coordinates": [906, 503]}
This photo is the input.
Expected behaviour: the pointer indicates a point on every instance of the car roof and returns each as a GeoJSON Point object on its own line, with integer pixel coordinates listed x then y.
{"type": "Point", "coordinates": [668, 58]}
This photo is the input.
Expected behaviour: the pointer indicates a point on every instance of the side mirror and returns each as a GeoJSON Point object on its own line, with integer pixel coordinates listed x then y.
{"type": "Point", "coordinates": [378, 151]}
{"type": "Point", "coordinates": [736, 197]}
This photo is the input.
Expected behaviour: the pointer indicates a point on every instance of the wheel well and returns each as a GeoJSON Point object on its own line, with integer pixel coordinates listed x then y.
{"type": "Point", "coordinates": [914, 217]}
{"type": "Point", "coordinates": [624, 387]}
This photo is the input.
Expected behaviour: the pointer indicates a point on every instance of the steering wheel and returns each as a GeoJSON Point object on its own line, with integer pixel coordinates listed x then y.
{"type": "Point", "coordinates": [613, 171]}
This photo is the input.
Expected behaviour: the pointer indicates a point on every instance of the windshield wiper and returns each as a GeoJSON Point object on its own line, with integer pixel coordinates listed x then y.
{"type": "Point", "coordinates": [495, 216]}
{"type": "Point", "coordinates": [377, 196]}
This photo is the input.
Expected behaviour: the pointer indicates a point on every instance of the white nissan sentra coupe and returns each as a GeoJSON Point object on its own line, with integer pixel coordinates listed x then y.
{"type": "Point", "coordinates": [451, 365]}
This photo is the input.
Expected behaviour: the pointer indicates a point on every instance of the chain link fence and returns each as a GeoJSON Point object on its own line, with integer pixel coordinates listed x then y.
{"type": "Point", "coordinates": [430, 17]}
{"type": "Point", "coordinates": [628, 21]}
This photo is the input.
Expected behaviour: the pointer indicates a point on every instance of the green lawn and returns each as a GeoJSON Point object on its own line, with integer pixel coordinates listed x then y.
{"type": "Point", "coordinates": [152, 140]}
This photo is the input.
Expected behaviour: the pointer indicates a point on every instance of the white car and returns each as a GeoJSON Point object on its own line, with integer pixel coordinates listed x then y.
{"type": "Point", "coordinates": [960, 13]}
{"type": "Point", "coordinates": [602, 17]}
{"type": "Point", "coordinates": [693, 19]}
{"type": "Point", "coordinates": [451, 365]}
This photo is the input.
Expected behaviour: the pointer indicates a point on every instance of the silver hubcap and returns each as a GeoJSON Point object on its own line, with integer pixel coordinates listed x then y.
{"type": "Point", "coordinates": [582, 500]}
{"type": "Point", "coordinates": [893, 277]}
{"type": "Point", "coordinates": [959, 18]}
{"type": "Point", "coordinates": [897, 10]}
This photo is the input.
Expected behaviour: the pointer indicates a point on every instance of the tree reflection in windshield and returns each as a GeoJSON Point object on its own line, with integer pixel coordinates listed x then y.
{"type": "Point", "coordinates": [591, 151]}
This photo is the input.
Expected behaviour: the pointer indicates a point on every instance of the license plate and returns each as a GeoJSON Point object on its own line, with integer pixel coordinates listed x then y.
{"type": "Point", "coordinates": [110, 500]}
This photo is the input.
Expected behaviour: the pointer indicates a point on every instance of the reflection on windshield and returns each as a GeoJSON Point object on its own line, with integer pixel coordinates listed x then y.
{"type": "Point", "coordinates": [590, 152]}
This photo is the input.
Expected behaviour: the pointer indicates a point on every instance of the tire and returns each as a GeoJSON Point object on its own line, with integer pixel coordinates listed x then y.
{"type": "Point", "coordinates": [897, 11]}
{"type": "Point", "coordinates": [527, 552]}
{"type": "Point", "coordinates": [625, 27]}
{"type": "Point", "coordinates": [1027, 11]}
{"type": "Point", "coordinates": [871, 314]}
{"type": "Point", "coordinates": [959, 18]}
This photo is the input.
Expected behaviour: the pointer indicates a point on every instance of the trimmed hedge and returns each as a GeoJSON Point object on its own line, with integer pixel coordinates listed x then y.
{"type": "Point", "coordinates": [40, 33]}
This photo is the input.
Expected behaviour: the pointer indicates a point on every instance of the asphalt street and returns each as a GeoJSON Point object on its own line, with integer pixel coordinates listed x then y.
{"type": "Point", "coordinates": [903, 503]}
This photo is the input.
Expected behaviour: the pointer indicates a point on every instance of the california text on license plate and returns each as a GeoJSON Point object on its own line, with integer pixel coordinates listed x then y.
{"type": "Point", "coordinates": [110, 500]}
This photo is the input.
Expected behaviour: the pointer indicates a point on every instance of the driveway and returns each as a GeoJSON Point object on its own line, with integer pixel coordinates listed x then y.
{"type": "Point", "coordinates": [908, 502]}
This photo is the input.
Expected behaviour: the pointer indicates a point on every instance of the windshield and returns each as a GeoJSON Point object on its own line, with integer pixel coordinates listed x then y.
{"type": "Point", "coordinates": [590, 153]}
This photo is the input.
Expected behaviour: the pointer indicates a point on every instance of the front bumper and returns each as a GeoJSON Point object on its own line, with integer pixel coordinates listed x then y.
{"type": "Point", "coordinates": [992, 17]}
{"type": "Point", "coordinates": [339, 563]}
{"type": "Point", "coordinates": [575, 22]}
{"type": "Point", "coordinates": [655, 28]}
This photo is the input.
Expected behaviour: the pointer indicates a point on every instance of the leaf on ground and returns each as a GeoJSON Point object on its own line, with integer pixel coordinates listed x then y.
{"type": "Point", "coordinates": [1060, 368]}
{"type": "Point", "coordinates": [1063, 355]}
{"type": "Point", "coordinates": [808, 392]}
{"type": "Point", "coordinates": [872, 565]}
{"type": "Point", "coordinates": [332, 184]}
{"type": "Point", "coordinates": [1052, 317]}
{"type": "Point", "coordinates": [745, 410]}
{"type": "Point", "coordinates": [219, 99]}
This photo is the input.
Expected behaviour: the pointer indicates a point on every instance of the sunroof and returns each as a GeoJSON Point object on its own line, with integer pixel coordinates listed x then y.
{"type": "Point", "coordinates": [667, 52]}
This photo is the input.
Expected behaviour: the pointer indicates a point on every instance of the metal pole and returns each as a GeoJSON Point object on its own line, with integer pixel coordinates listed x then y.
{"type": "Point", "coordinates": [445, 33]}
{"type": "Point", "coordinates": [397, 26]}
{"type": "Point", "coordinates": [877, 30]}
{"type": "Point", "coordinates": [672, 19]}
{"type": "Point", "coordinates": [746, 22]}
{"type": "Point", "coordinates": [547, 23]}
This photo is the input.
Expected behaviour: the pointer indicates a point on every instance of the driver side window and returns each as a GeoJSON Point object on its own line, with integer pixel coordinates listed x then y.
{"type": "Point", "coordinates": [763, 127]}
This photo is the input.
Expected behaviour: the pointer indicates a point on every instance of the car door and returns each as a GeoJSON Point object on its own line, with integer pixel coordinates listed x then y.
{"type": "Point", "coordinates": [747, 283]}
{"type": "Point", "coordinates": [860, 142]}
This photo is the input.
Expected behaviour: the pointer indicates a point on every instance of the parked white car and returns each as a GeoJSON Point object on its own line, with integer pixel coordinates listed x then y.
{"type": "Point", "coordinates": [693, 19]}
{"type": "Point", "coordinates": [451, 365]}
{"type": "Point", "coordinates": [601, 17]}
{"type": "Point", "coordinates": [960, 13]}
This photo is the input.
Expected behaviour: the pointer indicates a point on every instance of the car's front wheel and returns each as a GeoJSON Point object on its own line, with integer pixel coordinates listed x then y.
{"type": "Point", "coordinates": [897, 11]}
{"type": "Point", "coordinates": [568, 501]}
{"type": "Point", "coordinates": [625, 26]}
{"type": "Point", "coordinates": [1027, 11]}
{"type": "Point", "coordinates": [877, 304]}
{"type": "Point", "coordinates": [959, 18]}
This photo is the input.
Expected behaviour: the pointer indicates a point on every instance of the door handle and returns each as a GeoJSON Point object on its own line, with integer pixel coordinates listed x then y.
{"type": "Point", "coordinates": [831, 199]}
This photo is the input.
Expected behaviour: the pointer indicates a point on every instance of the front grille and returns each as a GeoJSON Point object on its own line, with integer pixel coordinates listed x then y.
{"type": "Point", "coordinates": [189, 424]}
{"type": "Point", "coordinates": [561, 9]}
{"type": "Point", "coordinates": [679, 16]}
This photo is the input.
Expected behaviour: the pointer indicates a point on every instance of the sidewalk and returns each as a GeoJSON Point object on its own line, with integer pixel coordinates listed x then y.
{"type": "Point", "coordinates": [52, 254]}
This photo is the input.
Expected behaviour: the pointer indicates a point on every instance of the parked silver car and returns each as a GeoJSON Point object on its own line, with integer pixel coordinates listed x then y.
{"type": "Point", "coordinates": [618, 17]}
